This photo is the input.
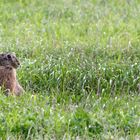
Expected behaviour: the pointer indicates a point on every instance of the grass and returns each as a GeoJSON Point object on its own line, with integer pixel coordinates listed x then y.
{"type": "Point", "coordinates": [60, 117]}
{"type": "Point", "coordinates": [70, 52]}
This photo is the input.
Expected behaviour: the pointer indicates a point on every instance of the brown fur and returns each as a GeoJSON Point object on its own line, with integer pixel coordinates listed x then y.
{"type": "Point", "coordinates": [8, 65]}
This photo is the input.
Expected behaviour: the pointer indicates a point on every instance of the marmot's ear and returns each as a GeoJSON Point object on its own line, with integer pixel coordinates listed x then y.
{"type": "Point", "coordinates": [2, 54]}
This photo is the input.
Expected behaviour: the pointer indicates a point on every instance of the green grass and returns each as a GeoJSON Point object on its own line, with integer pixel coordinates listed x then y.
{"type": "Point", "coordinates": [70, 52]}
{"type": "Point", "coordinates": [61, 117]}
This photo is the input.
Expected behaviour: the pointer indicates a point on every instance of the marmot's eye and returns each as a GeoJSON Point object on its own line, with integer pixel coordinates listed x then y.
{"type": "Point", "coordinates": [9, 56]}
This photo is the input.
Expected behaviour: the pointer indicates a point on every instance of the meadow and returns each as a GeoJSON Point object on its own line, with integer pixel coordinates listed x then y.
{"type": "Point", "coordinates": [80, 63]}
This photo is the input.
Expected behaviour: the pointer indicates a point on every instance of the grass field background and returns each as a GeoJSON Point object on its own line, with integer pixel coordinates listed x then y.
{"type": "Point", "coordinates": [80, 63]}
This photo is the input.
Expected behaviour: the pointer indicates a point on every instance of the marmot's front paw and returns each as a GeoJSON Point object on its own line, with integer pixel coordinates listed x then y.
{"type": "Point", "coordinates": [7, 92]}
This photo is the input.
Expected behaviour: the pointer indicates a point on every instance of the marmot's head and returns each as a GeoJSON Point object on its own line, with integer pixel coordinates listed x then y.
{"type": "Point", "coordinates": [8, 59]}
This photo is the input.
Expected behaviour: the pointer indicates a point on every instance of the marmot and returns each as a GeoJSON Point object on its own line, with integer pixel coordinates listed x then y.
{"type": "Point", "coordinates": [8, 80]}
